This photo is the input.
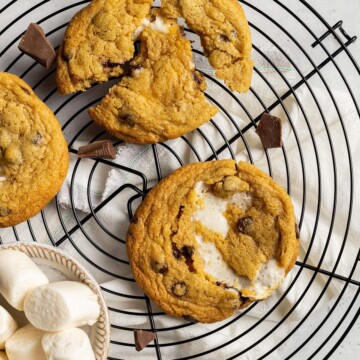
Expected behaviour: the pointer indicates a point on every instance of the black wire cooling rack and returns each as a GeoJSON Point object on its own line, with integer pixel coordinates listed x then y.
{"type": "Point", "coordinates": [310, 54]}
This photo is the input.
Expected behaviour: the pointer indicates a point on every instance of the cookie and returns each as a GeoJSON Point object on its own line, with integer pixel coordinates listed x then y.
{"type": "Point", "coordinates": [33, 152]}
{"type": "Point", "coordinates": [163, 97]}
{"type": "Point", "coordinates": [211, 238]}
{"type": "Point", "coordinates": [225, 36]}
{"type": "Point", "coordinates": [98, 42]}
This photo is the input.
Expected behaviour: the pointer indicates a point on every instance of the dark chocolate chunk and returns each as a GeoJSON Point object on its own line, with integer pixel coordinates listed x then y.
{"type": "Point", "coordinates": [190, 318]}
{"type": "Point", "coordinates": [224, 38]}
{"type": "Point", "coordinates": [198, 77]}
{"type": "Point", "coordinates": [269, 131]}
{"type": "Point", "coordinates": [98, 149]}
{"type": "Point", "coordinates": [161, 268]}
{"type": "Point", "coordinates": [187, 251]}
{"type": "Point", "coordinates": [143, 339]}
{"type": "Point", "coordinates": [180, 212]}
{"type": "Point", "coordinates": [127, 119]}
{"type": "Point", "coordinates": [37, 138]}
{"type": "Point", "coordinates": [297, 231]}
{"type": "Point", "coordinates": [179, 289]}
{"type": "Point", "coordinates": [176, 252]}
{"type": "Point", "coordinates": [35, 44]}
{"type": "Point", "coordinates": [243, 224]}
{"type": "Point", "coordinates": [66, 56]}
{"type": "Point", "coordinates": [110, 64]}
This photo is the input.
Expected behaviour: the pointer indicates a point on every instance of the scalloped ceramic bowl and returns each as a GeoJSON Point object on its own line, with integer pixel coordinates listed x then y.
{"type": "Point", "coordinates": [57, 265]}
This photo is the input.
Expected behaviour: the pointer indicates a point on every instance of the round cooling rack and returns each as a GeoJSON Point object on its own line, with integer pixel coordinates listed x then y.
{"type": "Point", "coordinates": [305, 74]}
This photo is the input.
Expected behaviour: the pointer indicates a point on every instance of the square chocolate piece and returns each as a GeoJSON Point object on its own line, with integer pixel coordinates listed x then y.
{"type": "Point", "coordinates": [269, 131]}
{"type": "Point", "coordinates": [35, 44]}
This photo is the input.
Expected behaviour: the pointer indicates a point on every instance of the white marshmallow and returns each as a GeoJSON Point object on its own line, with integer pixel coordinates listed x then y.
{"type": "Point", "coordinates": [62, 305]}
{"type": "Point", "coordinates": [26, 344]}
{"type": "Point", "coordinates": [70, 344]}
{"type": "Point", "coordinates": [3, 356]}
{"type": "Point", "coordinates": [7, 326]}
{"type": "Point", "coordinates": [18, 276]}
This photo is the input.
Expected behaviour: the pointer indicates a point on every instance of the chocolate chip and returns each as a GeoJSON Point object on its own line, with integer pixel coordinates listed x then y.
{"type": "Point", "coordinates": [75, 78]}
{"type": "Point", "coordinates": [190, 318]}
{"type": "Point", "coordinates": [110, 64]}
{"type": "Point", "coordinates": [4, 212]}
{"type": "Point", "coordinates": [243, 224]}
{"type": "Point", "coordinates": [134, 220]}
{"type": "Point", "coordinates": [198, 77]}
{"type": "Point", "coordinates": [269, 131]}
{"type": "Point", "coordinates": [35, 44]}
{"type": "Point", "coordinates": [179, 289]}
{"type": "Point", "coordinates": [187, 251]}
{"type": "Point", "coordinates": [143, 339]}
{"type": "Point", "coordinates": [127, 119]}
{"type": "Point", "coordinates": [297, 231]}
{"type": "Point", "coordinates": [224, 38]}
{"type": "Point", "coordinates": [180, 212]}
{"type": "Point", "coordinates": [152, 18]}
{"type": "Point", "coordinates": [176, 252]}
{"type": "Point", "coordinates": [161, 268]}
{"type": "Point", "coordinates": [66, 56]}
{"type": "Point", "coordinates": [37, 138]}
{"type": "Point", "coordinates": [98, 149]}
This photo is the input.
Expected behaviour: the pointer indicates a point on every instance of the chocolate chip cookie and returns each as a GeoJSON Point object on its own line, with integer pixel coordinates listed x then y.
{"type": "Point", "coordinates": [33, 152]}
{"type": "Point", "coordinates": [98, 42]}
{"type": "Point", "coordinates": [225, 36]}
{"type": "Point", "coordinates": [163, 97]}
{"type": "Point", "coordinates": [211, 238]}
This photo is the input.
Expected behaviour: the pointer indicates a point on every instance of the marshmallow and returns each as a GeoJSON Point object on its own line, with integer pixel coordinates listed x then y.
{"type": "Point", "coordinates": [7, 326]}
{"type": "Point", "coordinates": [26, 344]}
{"type": "Point", "coordinates": [3, 356]}
{"type": "Point", "coordinates": [62, 305]}
{"type": "Point", "coordinates": [18, 276]}
{"type": "Point", "coordinates": [70, 344]}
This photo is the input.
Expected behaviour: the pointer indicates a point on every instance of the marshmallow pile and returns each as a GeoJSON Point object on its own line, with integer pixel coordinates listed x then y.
{"type": "Point", "coordinates": [54, 311]}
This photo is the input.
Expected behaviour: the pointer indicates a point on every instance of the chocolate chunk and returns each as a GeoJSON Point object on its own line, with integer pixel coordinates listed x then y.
{"type": "Point", "coordinates": [269, 131]}
{"type": "Point", "coordinates": [37, 138]}
{"type": "Point", "coordinates": [243, 224]}
{"type": "Point", "coordinates": [180, 212]}
{"type": "Point", "coordinates": [111, 64]}
{"type": "Point", "coordinates": [35, 44]}
{"type": "Point", "coordinates": [297, 231]}
{"type": "Point", "coordinates": [98, 149]}
{"type": "Point", "coordinates": [176, 252]}
{"type": "Point", "coordinates": [179, 289]}
{"type": "Point", "coordinates": [66, 56]}
{"type": "Point", "coordinates": [190, 318]}
{"type": "Point", "coordinates": [224, 38]}
{"type": "Point", "coordinates": [127, 119]}
{"type": "Point", "coordinates": [187, 251]}
{"type": "Point", "coordinates": [143, 339]}
{"type": "Point", "coordinates": [198, 77]}
{"type": "Point", "coordinates": [161, 268]}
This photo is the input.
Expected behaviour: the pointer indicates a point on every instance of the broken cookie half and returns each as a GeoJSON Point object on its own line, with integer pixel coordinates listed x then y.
{"type": "Point", "coordinates": [98, 42]}
{"type": "Point", "coordinates": [163, 97]}
{"type": "Point", "coordinates": [224, 33]}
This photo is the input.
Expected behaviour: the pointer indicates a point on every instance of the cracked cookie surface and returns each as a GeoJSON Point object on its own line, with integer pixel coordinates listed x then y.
{"type": "Point", "coordinates": [225, 36]}
{"type": "Point", "coordinates": [163, 98]}
{"type": "Point", "coordinates": [211, 238]}
{"type": "Point", "coordinates": [98, 42]}
{"type": "Point", "coordinates": [33, 152]}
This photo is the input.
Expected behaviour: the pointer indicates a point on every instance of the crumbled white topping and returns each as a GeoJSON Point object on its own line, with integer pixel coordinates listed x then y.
{"type": "Point", "coordinates": [2, 178]}
{"type": "Point", "coordinates": [158, 25]}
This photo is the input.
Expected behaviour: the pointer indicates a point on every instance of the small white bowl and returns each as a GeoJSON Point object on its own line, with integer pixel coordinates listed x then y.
{"type": "Point", "coordinates": [57, 265]}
